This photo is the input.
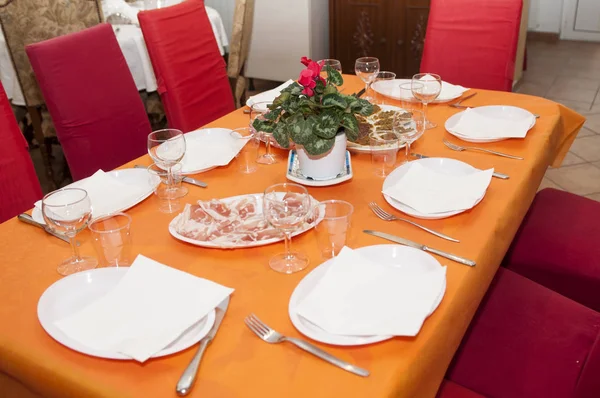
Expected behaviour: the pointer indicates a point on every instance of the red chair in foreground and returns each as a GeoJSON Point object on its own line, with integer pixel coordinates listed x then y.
{"type": "Point", "coordinates": [19, 185]}
{"type": "Point", "coordinates": [528, 341]}
{"type": "Point", "coordinates": [473, 42]}
{"type": "Point", "coordinates": [99, 116]}
{"type": "Point", "coordinates": [191, 74]}
{"type": "Point", "coordinates": [558, 246]}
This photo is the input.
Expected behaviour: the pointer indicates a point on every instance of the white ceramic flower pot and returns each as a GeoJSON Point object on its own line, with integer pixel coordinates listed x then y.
{"type": "Point", "coordinates": [325, 166]}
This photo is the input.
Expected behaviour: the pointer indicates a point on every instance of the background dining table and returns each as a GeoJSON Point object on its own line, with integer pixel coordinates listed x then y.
{"type": "Point", "coordinates": [238, 364]}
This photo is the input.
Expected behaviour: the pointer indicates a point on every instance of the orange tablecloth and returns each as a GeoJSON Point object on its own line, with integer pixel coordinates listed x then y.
{"type": "Point", "coordinates": [238, 364]}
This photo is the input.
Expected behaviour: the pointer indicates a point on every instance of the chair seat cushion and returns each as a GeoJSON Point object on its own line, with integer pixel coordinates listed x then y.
{"type": "Point", "coordinates": [528, 341]}
{"type": "Point", "coordinates": [558, 246]}
{"type": "Point", "coordinates": [450, 389]}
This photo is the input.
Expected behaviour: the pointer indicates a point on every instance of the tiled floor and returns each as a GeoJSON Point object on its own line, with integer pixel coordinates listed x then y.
{"type": "Point", "coordinates": [569, 73]}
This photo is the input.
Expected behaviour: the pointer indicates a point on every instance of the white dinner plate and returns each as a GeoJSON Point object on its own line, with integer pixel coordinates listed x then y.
{"type": "Point", "coordinates": [391, 89]}
{"type": "Point", "coordinates": [412, 260]}
{"type": "Point", "coordinates": [200, 154]}
{"type": "Point", "coordinates": [496, 111]}
{"type": "Point", "coordinates": [125, 176]}
{"type": "Point", "coordinates": [357, 148]}
{"type": "Point", "coordinates": [439, 165]}
{"type": "Point", "coordinates": [74, 292]}
{"type": "Point", "coordinates": [259, 209]}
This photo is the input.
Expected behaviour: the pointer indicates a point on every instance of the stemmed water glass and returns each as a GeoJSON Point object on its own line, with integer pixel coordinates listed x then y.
{"type": "Point", "coordinates": [167, 147]}
{"type": "Point", "coordinates": [285, 206]}
{"type": "Point", "coordinates": [426, 87]}
{"type": "Point", "coordinates": [68, 211]}
{"type": "Point", "coordinates": [409, 126]}
{"type": "Point", "coordinates": [333, 64]}
{"type": "Point", "coordinates": [258, 110]}
{"type": "Point", "coordinates": [367, 69]}
{"type": "Point", "coordinates": [382, 76]}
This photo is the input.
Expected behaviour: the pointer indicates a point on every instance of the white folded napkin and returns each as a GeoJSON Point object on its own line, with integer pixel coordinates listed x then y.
{"type": "Point", "coordinates": [429, 192]}
{"type": "Point", "coordinates": [475, 124]}
{"type": "Point", "coordinates": [204, 151]}
{"type": "Point", "coordinates": [449, 91]}
{"type": "Point", "coordinates": [268, 96]}
{"type": "Point", "coordinates": [358, 297]}
{"type": "Point", "coordinates": [151, 306]}
{"type": "Point", "coordinates": [106, 193]}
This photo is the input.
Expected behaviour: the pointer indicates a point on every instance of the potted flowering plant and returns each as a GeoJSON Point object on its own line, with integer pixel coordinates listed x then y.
{"type": "Point", "coordinates": [317, 118]}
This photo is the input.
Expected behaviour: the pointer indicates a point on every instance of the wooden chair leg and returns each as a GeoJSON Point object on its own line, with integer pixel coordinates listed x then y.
{"type": "Point", "coordinates": [36, 121]}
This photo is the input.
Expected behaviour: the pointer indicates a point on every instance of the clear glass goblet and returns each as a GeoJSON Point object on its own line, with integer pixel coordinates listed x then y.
{"type": "Point", "coordinates": [367, 68]}
{"type": "Point", "coordinates": [259, 110]}
{"type": "Point", "coordinates": [409, 127]}
{"type": "Point", "coordinates": [285, 206]}
{"type": "Point", "coordinates": [68, 211]}
{"type": "Point", "coordinates": [426, 87]}
{"type": "Point", "coordinates": [166, 148]}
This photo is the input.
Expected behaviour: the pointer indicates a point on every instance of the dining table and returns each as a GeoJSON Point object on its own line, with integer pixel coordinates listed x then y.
{"type": "Point", "coordinates": [238, 363]}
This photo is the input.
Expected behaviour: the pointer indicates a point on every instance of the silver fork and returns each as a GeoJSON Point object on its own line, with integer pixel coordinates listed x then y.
{"type": "Point", "coordinates": [458, 103]}
{"type": "Point", "coordinates": [459, 148]}
{"type": "Point", "coordinates": [384, 215]}
{"type": "Point", "coordinates": [271, 336]}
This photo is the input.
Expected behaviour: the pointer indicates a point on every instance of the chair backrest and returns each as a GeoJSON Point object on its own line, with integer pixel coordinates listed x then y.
{"type": "Point", "coordinates": [473, 42]}
{"type": "Point", "coordinates": [19, 185]}
{"type": "Point", "coordinates": [30, 21]}
{"type": "Point", "coordinates": [191, 74]}
{"type": "Point", "coordinates": [99, 116]}
{"type": "Point", "coordinates": [239, 47]}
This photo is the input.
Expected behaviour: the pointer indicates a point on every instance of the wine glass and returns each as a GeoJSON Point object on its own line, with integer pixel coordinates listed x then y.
{"type": "Point", "coordinates": [259, 110]}
{"type": "Point", "coordinates": [382, 76]}
{"type": "Point", "coordinates": [367, 69]}
{"type": "Point", "coordinates": [68, 211]}
{"type": "Point", "coordinates": [332, 63]}
{"type": "Point", "coordinates": [167, 147]}
{"type": "Point", "coordinates": [426, 87]}
{"type": "Point", "coordinates": [409, 126]}
{"type": "Point", "coordinates": [285, 206]}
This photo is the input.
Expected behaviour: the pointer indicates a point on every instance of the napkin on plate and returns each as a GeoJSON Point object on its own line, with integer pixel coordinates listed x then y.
{"type": "Point", "coordinates": [150, 307]}
{"type": "Point", "coordinates": [475, 124]}
{"type": "Point", "coordinates": [358, 297]}
{"type": "Point", "coordinates": [429, 192]}
{"type": "Point", "coordinates": [268, 96]}
{"type": "Point", "coordinates": [204, 151]}
{"type": "Point", "coordinates": [106, 193]}
{"type": "Point", "coordinates": [449, 91]}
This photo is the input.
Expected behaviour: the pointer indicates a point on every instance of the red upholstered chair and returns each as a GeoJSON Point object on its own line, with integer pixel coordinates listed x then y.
{"type": "Point", "coordinates": [19, 185]}
{"type": "Point", "coordinates": [191, 74]}
{"type": "Point", "coordinates": [528, 341]}
{"type": "Point", "coordinates": [473, 42]}
{"type": "Point", "coordinates": [450, 389]}
{"type": "Point", "coordinates": [558, 246]}
{"type": "Point", "coordinates": [99, 116]}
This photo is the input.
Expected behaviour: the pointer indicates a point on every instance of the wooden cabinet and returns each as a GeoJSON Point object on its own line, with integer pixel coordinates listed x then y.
{"type": "Point", "coordinates": [391, 30]}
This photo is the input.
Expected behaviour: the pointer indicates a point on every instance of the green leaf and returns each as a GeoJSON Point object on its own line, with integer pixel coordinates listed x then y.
{"type": "Point", "coordinates": [273, 115]}
{"type": "Point", "coordinates": [327, 124]}
{"type": "Point", "coordinates": [351, 125]}
{"type": "Point", "coordinates": [300, 129]}
{"type": "Point", "coordinates": [317, 146]}
{"type": "Point", "coordinates": [334, 76]}
{"type": "Point", "coordinates": [281, 136]}
{"type": "Point", "coordinates": [335, 99]}
{"type": "Point", "coordinates": [330, 89]}
{"type": "Point", "coordinates": [295, 88]}
{"type": "Point", "coordinates": [280, 99]}
{"type": "Point", "coordinates": [260, 124]}
{"type": "Point", "coordinates": [362, 107]}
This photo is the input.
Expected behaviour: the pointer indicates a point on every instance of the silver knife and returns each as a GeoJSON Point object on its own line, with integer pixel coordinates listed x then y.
{"type": "Point", "coordinates": [186, 382]}
{"type": "Point", "coordinates": [419, 246]}
{"type": "Point", "coordinates": [189, 180]}
{"type": "Point", "coordinates": [497, 175]}
{"type": "Point", "coordinates": [27, 219]}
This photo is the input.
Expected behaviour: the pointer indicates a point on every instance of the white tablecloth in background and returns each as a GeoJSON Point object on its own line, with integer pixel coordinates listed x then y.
{"type": "Point", "coordinates": [134, 49]}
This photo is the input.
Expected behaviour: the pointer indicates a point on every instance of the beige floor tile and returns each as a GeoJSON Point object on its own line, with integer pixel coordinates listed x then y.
{"type": "Point", "coordinates": [593, 123]}
{"type": "Point", "coordinates": [578, 106]}
{"type": "Point", "coordinates": [533, 89]}
{"type": "Point", "coordinates": [548, 183]}
{"type": "Point", "coordinates": [572, 94]}
{"type": "Point", "coordinates": [581, 179]}
{"type": "Point", "coordinates": [567, 82]}
{"type": "Point", "coordinates": [544, 79]}
{"type": "Point", "coordinates": [572, 159]}
{"type": "Point", "coordinates": [585, 132]}
{"type": "Point", "coordinates": [590, 71]}
{"type": "Point", "coordinates": [587, 148]}
{"type": "Point", "coordinates": [594, 196]}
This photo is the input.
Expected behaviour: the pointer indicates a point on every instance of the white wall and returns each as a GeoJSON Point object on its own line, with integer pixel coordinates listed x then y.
{"type": "Point", "coordinates": [545, 15]}
{"type": "Point", "coordinates": [225, 9]}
